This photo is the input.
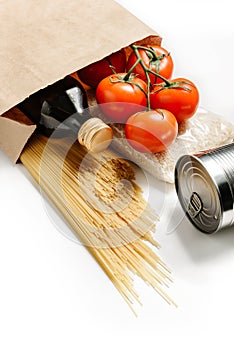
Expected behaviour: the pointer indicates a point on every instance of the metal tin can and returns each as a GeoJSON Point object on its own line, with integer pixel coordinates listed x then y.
{"type": "Point", "coordinates": [205, 188]}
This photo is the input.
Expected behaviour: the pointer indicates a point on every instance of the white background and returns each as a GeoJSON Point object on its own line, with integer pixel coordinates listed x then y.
{"type": "Point", "coordinates": [53, 295]}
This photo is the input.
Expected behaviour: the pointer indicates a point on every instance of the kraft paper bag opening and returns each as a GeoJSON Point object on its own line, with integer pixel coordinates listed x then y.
{"type": "Point", "coordinates": [43, 41]}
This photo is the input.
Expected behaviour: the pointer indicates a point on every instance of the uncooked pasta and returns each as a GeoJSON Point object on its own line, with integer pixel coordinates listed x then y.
{"type": "Point", "coordinates": [97, 196]}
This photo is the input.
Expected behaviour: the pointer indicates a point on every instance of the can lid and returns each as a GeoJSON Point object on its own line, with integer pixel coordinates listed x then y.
{"type": "Point", "coordinates": [201, 187]}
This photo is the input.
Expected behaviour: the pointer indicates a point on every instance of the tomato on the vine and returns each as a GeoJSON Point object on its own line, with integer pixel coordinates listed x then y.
{"type": "Point", "coordinates": [95, 72]}
{"type": "Point", "coordinates": [181, 98]}
{"type": "Point", "coordinates": [151, 131]}
{"type": "Point", "coordinates": [155, 58]}
{"type": "Point", "coordinates": [119, 98]}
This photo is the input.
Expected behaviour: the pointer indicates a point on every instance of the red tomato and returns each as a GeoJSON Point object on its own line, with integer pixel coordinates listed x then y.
{"type": "Point", "coordinates": [95, 72]}
{"type": "Point", "coordinates": [151, 131]}
{"type": "Point", "coordinates": [119, 99]}
{"type": "Point", "coordinates": [181, 98]}
{"type": "Point", "coordinates": [161, 63]}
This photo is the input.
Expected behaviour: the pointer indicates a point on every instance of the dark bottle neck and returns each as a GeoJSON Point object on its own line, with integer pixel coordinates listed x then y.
{"type": "Point", "coordinates": [62, 105]}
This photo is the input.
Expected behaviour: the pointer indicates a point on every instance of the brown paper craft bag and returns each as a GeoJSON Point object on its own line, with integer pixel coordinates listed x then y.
{"type": "Point", "coordinates": [43, 41]}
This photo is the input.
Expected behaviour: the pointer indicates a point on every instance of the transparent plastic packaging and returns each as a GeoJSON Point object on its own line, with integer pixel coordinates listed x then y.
{"type": "Point", "coordinates": [204, 131]}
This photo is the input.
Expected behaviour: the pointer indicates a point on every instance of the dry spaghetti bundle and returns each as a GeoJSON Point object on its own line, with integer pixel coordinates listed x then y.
{"type": "Point", "coordinates": [97, 196]}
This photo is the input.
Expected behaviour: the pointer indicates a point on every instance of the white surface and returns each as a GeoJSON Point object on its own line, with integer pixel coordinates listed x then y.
{"type": "Point", "coordinates": [53, 295]}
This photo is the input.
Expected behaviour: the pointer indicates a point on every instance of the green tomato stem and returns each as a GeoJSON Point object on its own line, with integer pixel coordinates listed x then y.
{"type": "Point", "coordinates": [152, 52]}
{"type": "Point", "coordinates": [148, 49]}
{"type": "Point", "coordinates": [127, 76]}
{"type": "Point", "coordinates": [147, 70]}
{"type": "Point", "coordinates": [136, 48]}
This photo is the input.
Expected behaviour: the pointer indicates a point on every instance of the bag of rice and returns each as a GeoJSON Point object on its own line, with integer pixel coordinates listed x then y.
{"type": "Point", "coordinates": [205, 130]}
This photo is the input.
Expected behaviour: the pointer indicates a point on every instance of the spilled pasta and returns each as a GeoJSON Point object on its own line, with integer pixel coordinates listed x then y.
{"type": "Point", "coordinates": [97, 196]}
